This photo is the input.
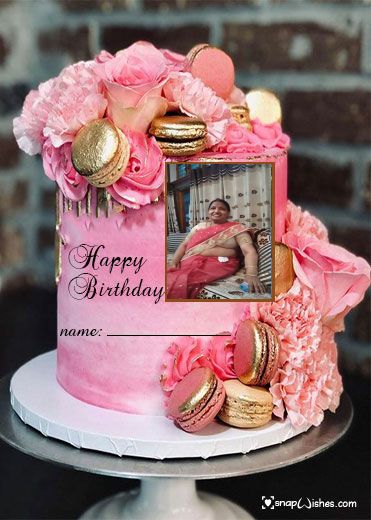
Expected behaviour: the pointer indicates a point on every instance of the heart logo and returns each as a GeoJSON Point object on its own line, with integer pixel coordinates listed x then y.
{"type": "Point", "coordinates": [267, 502]}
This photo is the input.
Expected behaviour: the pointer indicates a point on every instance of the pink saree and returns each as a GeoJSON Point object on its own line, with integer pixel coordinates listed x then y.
{"type": "Point", "coordinates": [196, 270]}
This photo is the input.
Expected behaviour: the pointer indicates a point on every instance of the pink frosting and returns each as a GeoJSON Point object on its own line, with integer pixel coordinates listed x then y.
{"type": "Point", "coordinates": [142, 181]}
{"type": "Point", "coordinates": [58, 167]}
{"type": "Point", "coordinates": [338, 278]}
{"type": "Point", "coordinates": [193, 98]}
{"type": "Point", "coordinates": [302, 222]}
{"type": "Point", "coordinates": [238, 139]}
{"type": "Point", "coordinates": [271, 136]}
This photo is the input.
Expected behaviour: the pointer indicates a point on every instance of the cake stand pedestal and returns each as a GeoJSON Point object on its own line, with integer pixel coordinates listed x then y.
{"type": "Point", "coordinates": [168, 489]}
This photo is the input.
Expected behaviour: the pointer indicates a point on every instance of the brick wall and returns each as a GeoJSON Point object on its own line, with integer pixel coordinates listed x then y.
{"type": "Point", "coordinates": [315, 54]}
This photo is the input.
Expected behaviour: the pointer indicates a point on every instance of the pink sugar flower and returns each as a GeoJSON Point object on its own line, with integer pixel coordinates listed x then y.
{"type": "Point", "coordinates": [220, 354]}
{"type": "Point", "coordinates": [143, 179]}
{"type": "Point", "coordinates": [307, 382]}
{"type": "Point", "coordinates": [29, 126]}
{"type": "Point", "coordinates": [58, 167]}
{"type": "Point", "coordinates": [303, 223]}
{"type": "Point", "coordinates": [180, 359]}
{"type": "Point", "coordinates": [337, 278]}
{"type": "Point", "coordinates": [194, 98]}
{"type": "Point", "coordinates": [271, 136]}
{"type": "Point", "coordinates": [133, 80]}
{"type": "Point", "coordinates": [76, 99]}
{"type": "Point", "coordinates": [238, 139]}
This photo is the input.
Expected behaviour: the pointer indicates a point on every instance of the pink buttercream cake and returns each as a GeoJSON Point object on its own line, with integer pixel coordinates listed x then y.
{"type": "Point", "coordinates": [117, 336]}
{"type": "Point", "coordinates": [123, 372]}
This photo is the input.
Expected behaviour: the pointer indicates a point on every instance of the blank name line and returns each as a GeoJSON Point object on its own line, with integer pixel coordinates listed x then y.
{"type": "Point", "coordinates": [165, 335]}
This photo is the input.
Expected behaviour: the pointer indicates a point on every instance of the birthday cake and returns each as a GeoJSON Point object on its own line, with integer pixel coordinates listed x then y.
{"type": "Point", "coordinates": [106, 129]}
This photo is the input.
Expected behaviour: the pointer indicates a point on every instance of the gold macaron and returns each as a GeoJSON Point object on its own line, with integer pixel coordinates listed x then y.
{"type": "Point", "coordinates": [179, 135]}
{"type": "Point", "coordinates": [246, 406]}
{"type": "Point", "coordinates": [284, 274]}
{"type": "Point", "coordinates": [264, 105]}
{"type": "Point", "coordinates": [241, 115]}
{"type": "Point", "coordinates": [100, 152]}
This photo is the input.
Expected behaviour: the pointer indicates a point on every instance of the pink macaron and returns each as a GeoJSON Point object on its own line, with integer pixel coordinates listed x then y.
{"type": "Point", "coordinates": [196, 400]}
{"type": "Point", "coordinates": [213, 66]}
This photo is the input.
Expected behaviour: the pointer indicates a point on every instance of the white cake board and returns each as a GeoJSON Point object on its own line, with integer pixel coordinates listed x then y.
{"type": "Point", "coordinates": [41, 402]}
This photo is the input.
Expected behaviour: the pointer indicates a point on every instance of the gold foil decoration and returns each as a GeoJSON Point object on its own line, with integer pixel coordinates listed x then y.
{"type": "Point", "coordinates": [241, 115]}
{"type": "Point", "coordinates": [58, 238]}
{"type": "Point", "coordinates": [264, 105]}
{"type": "Point", "coordinates": [88, 201]}
{"type": "Point", "coordinates": [94, 146]}
{"type": "Point", "coordinates": [100, 153]}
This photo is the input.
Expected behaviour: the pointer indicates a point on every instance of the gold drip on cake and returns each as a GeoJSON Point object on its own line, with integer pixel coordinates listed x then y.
{"type": "Point", "coordinates": [108, 202]}
{"type": "Point", "coordinates": [69, 205]}
{"type": "Point", "coordinates": [88, 201]}
{"type": "Point", "coordinates": [58, 238]}
{"type": "Point", "coordinates": [78, 208]}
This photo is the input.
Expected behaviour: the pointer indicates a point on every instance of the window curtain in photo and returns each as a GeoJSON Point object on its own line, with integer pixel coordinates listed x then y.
{"type": "Point", "coordinates": [172, 220]}
{"type": "Point", "coordinates": [246, 187]}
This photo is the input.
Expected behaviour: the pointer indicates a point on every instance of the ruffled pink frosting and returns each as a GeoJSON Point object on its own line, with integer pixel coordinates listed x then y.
{"type": "Point", "coordinates": [271, 136]}
{"type": "Point", "coordinates": [59, 108]}
{"type": "Point", "coordinates": [28, 128]}
{"type": "Point", "coordinates": [303, 223]}
{"type": "Point", "coordinates": [142, 181]}
{"type": "Point", "coordinates": [238, 139]}
{"type": "Point", "coordinates": [192, 97]}
{"type": "Point", "coordinates": [58, 167]}
{"type": "Point", "coordinates": [75, 99]}
{"type": "Point", "coordinates": [307, 363]}
{"type": "Point", "coordinates": [189, 353]}
{"type": "Point", "coordinates": [337, 278]}
{"type": "Point", "coordinates": [180, 359]}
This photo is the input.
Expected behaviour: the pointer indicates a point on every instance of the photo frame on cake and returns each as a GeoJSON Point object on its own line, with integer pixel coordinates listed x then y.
{"type": "Point", "coordinates": [220, 225]}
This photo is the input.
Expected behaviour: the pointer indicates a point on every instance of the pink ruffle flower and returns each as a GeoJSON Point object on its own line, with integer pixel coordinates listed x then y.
{"type": "Point", "coordinates": [142, 181]}
{"type": "Point", "coordinates": [307, 382]}
{"type": "Point", "coordinates": [271, 136]}
{"type": "Point", "coordinates": [58, 167]}
{"type": "Point", "coordinates": [75, 99]}
{"type": "Point", "coordinates": [180, 359]}
{"type": "Point", "coordinates": [303, 223]}
{"type": "Point", "coordinates": [219, 351]}
{"type": "Point", "coordinates": [194, 98]}
{"type": "Point", "coordinates": [238, 139]}
{"type": "Point", "coordinates": [28, 128]}
{"type": "Point", "coordinates": [337, 278]}
{"type": "Point", "coordinates": [133, 79]}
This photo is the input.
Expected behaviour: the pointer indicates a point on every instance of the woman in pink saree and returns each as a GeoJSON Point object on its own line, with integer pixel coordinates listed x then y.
{"type": "Point", "coordinates": [210, 252]}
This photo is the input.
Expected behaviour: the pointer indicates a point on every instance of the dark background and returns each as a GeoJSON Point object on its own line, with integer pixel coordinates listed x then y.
{"type": "Point", "coordinates": [316, 55]}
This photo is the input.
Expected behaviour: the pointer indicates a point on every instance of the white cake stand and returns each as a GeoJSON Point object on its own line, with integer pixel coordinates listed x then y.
{"type": "Point", "coordinates": [168, 489]}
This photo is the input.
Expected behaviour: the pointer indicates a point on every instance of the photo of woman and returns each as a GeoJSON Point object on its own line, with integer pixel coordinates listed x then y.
{"type": "Point", "coordinates": [217, 248]}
